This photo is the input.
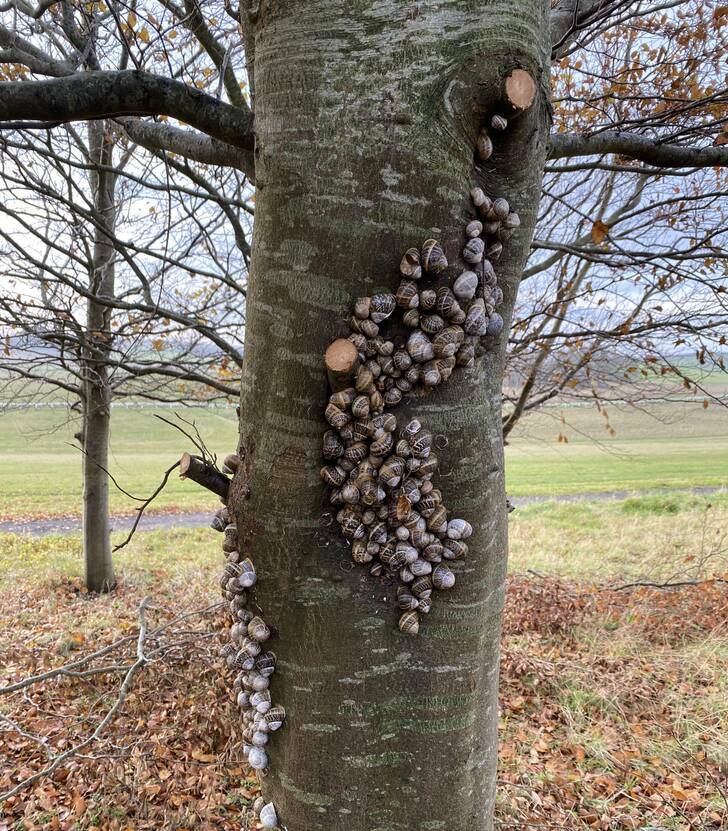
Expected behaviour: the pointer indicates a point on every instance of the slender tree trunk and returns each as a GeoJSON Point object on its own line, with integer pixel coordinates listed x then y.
{"type": "Point", "coordinates": [97, 391]}
{"type": "Point", "coordinates": [367, 116]}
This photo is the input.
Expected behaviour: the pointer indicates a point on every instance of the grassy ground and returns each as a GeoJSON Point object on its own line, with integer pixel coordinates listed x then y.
{"type": "Point", "coordinates": [677, 445]}
{"type": "Point", "coordinates": [614, 704]}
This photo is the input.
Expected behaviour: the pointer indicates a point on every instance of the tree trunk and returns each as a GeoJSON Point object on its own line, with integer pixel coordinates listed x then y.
{"type": "Point", "coordinates": [367, 116]}
{"type": "Point", "coordinates": [99, 566]}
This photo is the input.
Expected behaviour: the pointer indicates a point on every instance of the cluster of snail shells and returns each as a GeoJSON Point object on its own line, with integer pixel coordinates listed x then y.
{"type": "Point", "coordinates": [245, 651]}
{"type": "Point", "coordinates": [390, 510]}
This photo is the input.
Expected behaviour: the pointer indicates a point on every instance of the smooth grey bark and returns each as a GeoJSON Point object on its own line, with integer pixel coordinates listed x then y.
{"type": "Point", "coordinates": [366, 120]}
{"type": "Point", "coordinates": [99, 566]}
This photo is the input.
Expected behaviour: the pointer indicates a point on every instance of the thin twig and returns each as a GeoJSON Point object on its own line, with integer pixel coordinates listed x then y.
{"type": "Point", "coordinates": [140, 510]}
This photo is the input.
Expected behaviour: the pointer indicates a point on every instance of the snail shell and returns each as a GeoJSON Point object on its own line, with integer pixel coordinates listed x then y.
{"type": "Point", "coordinates": [411, 318]}
{"type": "Point", "coordinates": [420, 568]}
{"type": "Point", "coordinates": [266, 663]}
{"type": "Point", "coordinates": [258, 630]}
{"type": "Point", "coordinates": [358, 341]}
{"type": "Point", "coordinates": [247, 573]}
{"type": "Point", "coordinates": [257, 758]}
{"type": "Point", "coordinates": [411, 429]}
{"type": "Point", "coordinates": [474, 228]}
{"type": "Point", "coordinates": [382, 306]}
{"type": "Point", "coordinates": [260, 682]}
{"type": "Point", "coordinates": [360, 407]}
{"type": "Point", "coordinates": [407, 295]}
{"type": "Point", "coordinates": [350, 493]}
{"type": "Point", "coordinates": [465, 286]}
{"type": "Point", "coordinates": [434, 550]}
{"type": "Point", "coordinates": [442, 577]}
{"type": "Point", "coordinates": [275, 717]}
{"type": "Point", "coordinates": [410, 264]}
{"type": "Point", "coordinates": [259, 738]}
{"type": "Point", "coordinates": [407, 602]}
{"type": "Point", "coordinates": [495, 325]}
{"type": "Point", "coordinates": [501, 208]}
{"type": "Point", "coordinates": [459, 529]}
{"type": "Point", "coordinates": [431, 324]}
{"type": "Point", "coordinates": [367, 327]}
{"type": "Point", "coordinates": [421, 445]}
{"type": "Point", "coordinates": [478, 196]}
{"type": "Point", "coordinates": [432, 257]}
{"type": "Point", "coordinates": [428, 299]}
{"type": "Point", "coordinates": [251, 648]}
{"type": "Point", "coordinates": [476, 320]}
{"type": "Point", "coordinates": [491, 227]}
{"type": "Point", "coordinates": [332, 446]}
{"type": "Point", "coordinates": [454, 549]}
{"type": "Point", "coordinates": [447, 342]}
{"type": "Point", "coordinates": [498, 122]}
{"type": "Point", "coordinates": [364, 379]}
{"type": "Point", "coordinates": [494, 251]}
{"type": "Point", "coordinates": [484, 146]}
{"type": "Point", "coordinates": [390, 473]}
{"type": "Point", "coordinates": [360, 552]}
{"type": "Point", "coordinates": [231, 463]}
{"type": "Point", "coordinates": [261, 701]}
{"type": "Point", "coordinates": [484, 208]}
{"type": "Point", "coordinates": [336, 417]}
{"type": "Point", "coordinates": [465, 356]}
{"type": "Point", "coordinates": [230, 542]}
{"type": "Point", "coordinates": [382, 446]}
{"type": "Point", "coordinates": [393, 396]}
{"type": "Point", "coordinates": [333, 475]}
{"type": "Point", "coordinates": [268, 816]}
{"type": "Point", "coordinates": [422, 586]}
{"type": "Point", "coordinates": [420, 347]}
{"type": "Point", "coordinates": [362, 307]}
{"type": "Point", "coordinates": [488, 273]}
{"type": "Point", "coordinates": [425, 605]}
{"type": "Point", "coordinates": [430, 374]}
{"type": "Point", "coordinates": [438, 519]}
{"type": "Point", "coordinates": [474, 250]}
{"type": "Point", "coordinates": [402, 359]}
{"type": "Point", "coordinates": [409, 623]}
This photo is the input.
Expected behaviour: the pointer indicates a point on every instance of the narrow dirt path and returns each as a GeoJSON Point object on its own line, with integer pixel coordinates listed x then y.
{"type": "Point", "coordinates": [200, 519]}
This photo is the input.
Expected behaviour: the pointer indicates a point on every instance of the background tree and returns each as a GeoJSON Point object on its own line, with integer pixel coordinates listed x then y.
{"type": "Point", "coordinates": [366, 120]}
{"type": "Point", "coordinates": [122, 282]}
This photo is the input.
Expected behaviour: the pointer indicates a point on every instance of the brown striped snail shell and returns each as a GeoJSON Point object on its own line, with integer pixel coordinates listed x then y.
{"type": "Point", "coordinates": [359, 433]}
{"type": "Point", "coordinates": [448, 341]}
{"type": "Point", "coordinates": [376, 401]}
{"type": "Point", "coordinates": [421, 445]}
{"type": "Point", "coordinates": [219, 523]}
{"type": "Point", "coordinates": [266, 663]}
{"type": "Point", "coordinates": [411, 318]}
{"type": "Point", "coordinates": [336, 417]}
{"type": "Point", "coordinates": [491, 227]}
{"type": "Point", "coordinates": [387, 364]}
{"type": "Point", "coordinates": [360, 407]}
{"type": "Point", "coordinates": [248, 576]}
{"type": "Point", "coordinates": [350, 493]}
{"type": "Point", "coordinates": [369, 492]}
{"type": "Point", "coordinates": [485, 207]}
{"type": "Point", "coordinates": [445, 366]}
{"type": "Point", "coordinates": [474, 228]}
{"type": "Point", "coordinates": [498, 122]}
{"type": "Point", "coordinates": [358, 340]}
{"type": "Point", "coordinates": [332, 445]}
{"type": "Point", "coordinates": [382, 446]}
{"type": "Point", "coordinates": [474, 250]}
{"type": "Point", "coordinates": [512, 221]}
{"type": "Point", "coordinates": [411, 429]}
{"type": "Point", "coordinates": [258, 630]}
{"type": "Point", "coordinates": [362, 307]}
{"type": "Point", "coordinates": [231, 463]}
{"type": "Point", "coordinates": [430, 374]}
{"type": "Point", "coordinates": [364, 379]}
{"type": "Point", "coordinates": [405, 575]}
{"type": "Point", "coordinates": [390, 474]}
{"type": "Point", "coordinates": [488, 273]}
{"type": "Point", "coordinates": [259, 738]}
{"type": "Point", "coordinates": [437, 519]}
{"type": "Point", "coordinates": [410, 264]}
{"type": "Point", "coordinates": [501, 208]}
{"type": "Point", "coordinates": [434, 551]}
{"type": "Point", "coordinates": [420, 347]}
{"type": "Point", "coordinates": [465, 286]}
{"type": "Point", "coordinates": [382, 306]}
{"type": "Point", "coordinates": [409, 623]}
{"type": "Point", "coordinates": [447, 303]}
{"type": "Point", "coordinates": [428, 300]}
{"type": "Point", "coordinates": [402, 359]}
{"type": "Point", "coordinates": [407, 295]}
{"type": "Point", "coordinates": [425, 605]}
{"type": "Point", "coordinates": [495, 325]}
{"type": "Point", "coordinates": [407, 602]}
{"type": "Point", "coordinates": [465, 356]}
{"type": "Point", "coordinates": [357, 451]}
{"type": "Point", "coordinates": [432, 257]}
{"type": "Point", "coordinates": [422, 586]}
{"type": "Point", "coordinates": [484, 146]}
{"type": "Point", "coordinates": [442, 577]}
{"type": "Point", "coordinates": [275, 717]}
{"type": "Point", "coordinates": [459, 529]}
{"type": "Point", "coordinates": [454, 549]}
{"type": "Point", "coordinates": [494, 251]}
{"type": "Point", "coordinates": [251, 647]}
{"type": "Point", "coordinates": [403, 384]}
{"type": "Point", "coordinates": [261, 701]}
{"type": "Point", "coordinates": [367, 327]}
{"type": "Point", "coordinates": [393, 396]}
{"type": "Point", "coordinates": [333, 475]}
{"type": "Point", "coordinates": [342, 399]}
{"type": "Point", "coordinates": [476, 320]}
{"type": "Point", "coordinates": [431, 324]}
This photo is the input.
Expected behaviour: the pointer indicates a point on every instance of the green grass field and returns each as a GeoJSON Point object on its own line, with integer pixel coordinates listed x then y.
{"type": "Point", "coordinates": [678, 445]}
